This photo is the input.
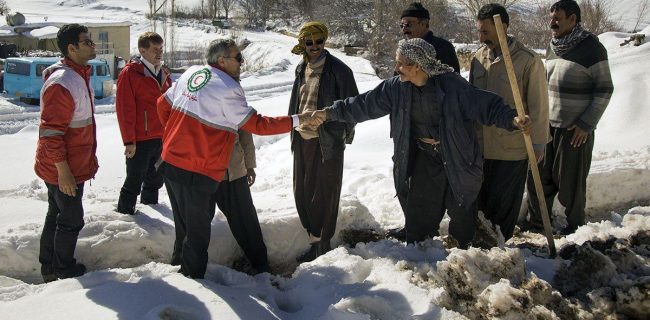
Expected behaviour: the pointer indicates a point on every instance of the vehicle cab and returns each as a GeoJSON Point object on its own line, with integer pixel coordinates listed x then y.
{"type": "Point", "coordinates": [23, 77]}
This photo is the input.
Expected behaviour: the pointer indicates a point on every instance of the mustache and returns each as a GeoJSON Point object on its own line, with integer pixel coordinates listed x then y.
{"type": "Point", "coordinates": [555, 26]}
{"type": "Point", "coordinates": [488, 42]}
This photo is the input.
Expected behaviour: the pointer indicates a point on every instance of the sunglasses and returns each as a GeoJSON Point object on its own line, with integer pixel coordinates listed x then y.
{"type": "Point", "coordinates": [87, 42]}
{"type": "Point", "coordinates": [310, 43]}
{"type": "Point", "coordinates": [239, 58]}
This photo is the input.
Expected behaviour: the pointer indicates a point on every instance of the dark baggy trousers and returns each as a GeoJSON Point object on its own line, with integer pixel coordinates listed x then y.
{"type": "Point", "coordinates": [563, 173]}
{"type": "Point", "coordinates": [316, 187]}
{"type": "Point", "coordinates": [502, 192]}
{"type": "Point", "coordinates": [191, 196]}
{"type": "Point", "coordinates": [428, 196]}
{"type": "Point", "coordinates": [141, 175]}
{"type": "Point", "coordinates": [234, 199]}
{"type": "Point", "coordinates": [64, 220]}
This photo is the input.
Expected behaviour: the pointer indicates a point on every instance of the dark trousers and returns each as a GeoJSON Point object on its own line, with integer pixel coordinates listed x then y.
{"type": "Point", "coordinates": [428, 196]}
{"type": "Point", "coordinates": [316, 187]}
{"type": "Point", "coordinates": [64, 220]}
{"type": "Point", "coordinates": [502, 192]}
{"type": "Point", "coordinates": [235, 201]}
{"type": "Point", "coordinates": [563, 173]}
{"type": "Point", "coordinates": [141, 175]}
{"type": "Point", "coordinates": [191, 197]}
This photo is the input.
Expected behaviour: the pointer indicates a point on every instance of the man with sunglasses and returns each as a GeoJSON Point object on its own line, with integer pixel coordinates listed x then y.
{"type": "Point", "coordinates": [414, 23]}
{"type": "Point", "coordinates": [65, 155]}
{"type": "Point", "coordinates": [321, 79]}
{"type": "Point", "coordinates": [201, 114]}
{"type": "Point", "coordinates": [139, 85]}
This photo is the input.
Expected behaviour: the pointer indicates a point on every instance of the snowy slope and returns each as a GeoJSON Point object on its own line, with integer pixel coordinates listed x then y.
{"type": "Point", "coordinates": [127, 255]}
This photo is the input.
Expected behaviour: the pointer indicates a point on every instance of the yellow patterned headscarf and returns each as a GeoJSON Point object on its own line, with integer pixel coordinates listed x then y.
{"type": "Point", "coordinates": [312, 29]}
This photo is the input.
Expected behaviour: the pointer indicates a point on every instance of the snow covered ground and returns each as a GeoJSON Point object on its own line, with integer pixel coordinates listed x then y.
{"type": "Point", "coordinates": [603, 268]}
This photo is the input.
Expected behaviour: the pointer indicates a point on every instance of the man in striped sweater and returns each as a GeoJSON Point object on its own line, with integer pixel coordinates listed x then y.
{"type": "Point", "coordinates": [580, 86]}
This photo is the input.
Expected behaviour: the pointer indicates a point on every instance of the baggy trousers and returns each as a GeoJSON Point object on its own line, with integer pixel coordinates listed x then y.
{"type": "Point", "coordinates": [428, 196]}
{"type": "Point", "coordinates": [234, 199]}
{"type": "Point", "coordinates": [141, 175]}
{"type": "Point", "coordinates": [64, 220]}
{"type": "Point", "coordinates": [502, 192]}
{"type": "Point", "coordinates": [563, 173]}
{"type": "Point", "coordinates": [191, 196]}
{"type": "Point", "coordinates": [316, 187]}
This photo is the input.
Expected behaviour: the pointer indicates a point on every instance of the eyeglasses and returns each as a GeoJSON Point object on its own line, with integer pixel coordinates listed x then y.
{"type": "Point", "coordinates": [310, 43]}
{"type": "Point", "coordinates": [239, 58]}
{"type": "Point", "coordinates": [405, 25]}
{"type": "Point", "coordinates": [87, 42]}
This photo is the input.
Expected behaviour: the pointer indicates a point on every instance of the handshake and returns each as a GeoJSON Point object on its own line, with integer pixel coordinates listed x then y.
{"type": "Point", "coordinates": [311, 120]}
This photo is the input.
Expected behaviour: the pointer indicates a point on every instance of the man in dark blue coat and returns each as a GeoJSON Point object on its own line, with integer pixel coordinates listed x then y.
{"type": "Point", "coordinates": [437, 161]}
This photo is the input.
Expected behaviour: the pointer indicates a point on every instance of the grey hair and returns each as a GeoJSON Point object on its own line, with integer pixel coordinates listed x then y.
{"type": "Point", "coordinates": [219, 48]}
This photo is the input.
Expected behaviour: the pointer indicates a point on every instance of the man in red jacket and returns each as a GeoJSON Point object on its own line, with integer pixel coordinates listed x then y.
{"type": "Point", "coordinates": [201, 114]}
{"type": "Point", "coordinates": [65, 155]}
{"type": "Point", "coordinates": [141, 82]}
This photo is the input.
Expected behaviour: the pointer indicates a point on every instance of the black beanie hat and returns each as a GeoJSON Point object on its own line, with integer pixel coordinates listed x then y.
{"type": "Point", "coordinates": [416, 10]}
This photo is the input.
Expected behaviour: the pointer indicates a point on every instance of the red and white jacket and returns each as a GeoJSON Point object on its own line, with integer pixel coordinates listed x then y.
{"type": "Point", "coordinates": [201, 114]}
{"type": "Point", "coordinates": [135, 102]}
{"type": "Point", "coordinates": [67, 128]}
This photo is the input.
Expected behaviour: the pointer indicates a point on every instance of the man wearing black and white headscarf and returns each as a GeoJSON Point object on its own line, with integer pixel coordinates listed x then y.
{"type": "Point", "coordinates": [437, 162]}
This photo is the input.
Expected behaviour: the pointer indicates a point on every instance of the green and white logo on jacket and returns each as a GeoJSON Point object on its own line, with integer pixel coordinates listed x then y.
{"type": "Point", "coordinates": [198, 80]}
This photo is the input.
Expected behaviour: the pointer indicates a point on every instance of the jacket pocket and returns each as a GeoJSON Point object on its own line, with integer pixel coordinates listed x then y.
{"type": "Point", "coordinates": [81, 160]}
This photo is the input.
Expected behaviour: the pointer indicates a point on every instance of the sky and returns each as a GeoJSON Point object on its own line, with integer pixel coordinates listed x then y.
{"type": "Point", "coordinates": [127, 256]}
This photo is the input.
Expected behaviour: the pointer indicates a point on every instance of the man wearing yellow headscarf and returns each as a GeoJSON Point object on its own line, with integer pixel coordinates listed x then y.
{"type": "Point", "coordinates": [318, 153]}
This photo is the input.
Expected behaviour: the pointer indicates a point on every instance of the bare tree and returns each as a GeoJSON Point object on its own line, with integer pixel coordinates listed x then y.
{"type": "Point", "coordinates": [473, 6]}
{"type": "Point", "coordinates": [597, 16]}
{"type": "Point", "coordinates": [227, 6]}
{"type": "Point", "coordinates": [4, 8]}
{"type": "Point", "coordinates": [641, 12]}
{"type": "Point", "coordinates": [214, 7]}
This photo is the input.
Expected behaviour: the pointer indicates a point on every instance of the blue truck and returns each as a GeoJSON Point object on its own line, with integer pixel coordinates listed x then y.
{"type": "Point", "coordinates": [23, 77]}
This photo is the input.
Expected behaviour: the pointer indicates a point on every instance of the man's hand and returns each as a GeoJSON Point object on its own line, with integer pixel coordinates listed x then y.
{"type": "Point", "coordinates": [525, 124]}
{"type": "Point", "coordinates": [66, 181]}
{"type": "Point", "coordinates": [129, 150]}
{"type": "Point", "coordinates": [311, 119]}
{"type": "Point", "coordinates": [250, 176]}
{"type": "Point", "coordinates": [579, 136]}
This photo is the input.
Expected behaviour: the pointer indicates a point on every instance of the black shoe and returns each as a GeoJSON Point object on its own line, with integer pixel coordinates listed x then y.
{"type": "Point", "coordinates": [47, 271]}
{"type": "Point", "coordinates": [567, 231]}
{"type": "Point", "coordinates": [530, 227]}
{"type": "Point", "coordinates": [324, 247]}
{"type": "Point", "coordinates": [148, 201]}
{"type": "Point", "coordinates": [261, 269]}
{"type": "Point", "coordinates": [74, 271]}
{"type": "Point", "coordinates": [311, 254]}
{"type": "Point", "coordinates": [397, 233]}
{"type": "Point", "coordinates": [122, 210]}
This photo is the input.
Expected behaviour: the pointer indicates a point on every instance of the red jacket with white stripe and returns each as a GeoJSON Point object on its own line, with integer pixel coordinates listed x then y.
{"type": "Point", "coordinates": [201, 114]}
{"type": "Point", "coordinates": [135, 102]}
{"type": "Point", "coordinates": [67, 128]}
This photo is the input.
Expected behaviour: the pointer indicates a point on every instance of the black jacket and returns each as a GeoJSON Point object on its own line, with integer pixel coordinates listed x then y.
{"type": "Point", "coordinates": [336, 83]}
{"type": "Point", "coordinates": [445, 51]}
{"type": "Point", "coordinates": [461, 105]}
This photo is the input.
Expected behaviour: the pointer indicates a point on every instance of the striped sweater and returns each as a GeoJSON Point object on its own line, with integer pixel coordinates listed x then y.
{"type": "Point", "coordinates": [579, 85]}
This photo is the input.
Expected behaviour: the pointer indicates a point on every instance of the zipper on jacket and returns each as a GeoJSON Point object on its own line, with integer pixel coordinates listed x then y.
{"type": "Point", "coordinates": [146, 124]}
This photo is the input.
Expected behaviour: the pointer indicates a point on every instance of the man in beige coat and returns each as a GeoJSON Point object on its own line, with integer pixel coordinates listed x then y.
{"type": "Point", "coordinates": [506, 163]}
{"type": "Point", "coordinates": [233, 197]}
